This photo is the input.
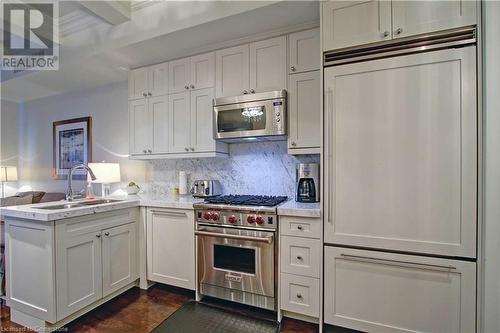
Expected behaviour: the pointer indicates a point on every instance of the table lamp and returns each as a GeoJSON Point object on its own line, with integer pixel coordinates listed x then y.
{"type": "Point", "coordinates": [105, 174]}
{"type": "Point", "coordinates": [7, 174]}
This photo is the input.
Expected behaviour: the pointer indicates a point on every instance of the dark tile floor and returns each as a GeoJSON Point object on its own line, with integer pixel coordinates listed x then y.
{"type": "Point", "coordinates": [139, 311]}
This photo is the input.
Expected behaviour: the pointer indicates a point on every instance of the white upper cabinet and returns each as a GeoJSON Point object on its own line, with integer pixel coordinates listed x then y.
{"type": "Point", "coordinates": [202, 120]}
{"type": "Point", "coordinates": [350, 23]}
{"type": "Point", "coordinates": [417, 17]}
{"type": "Point", "coordinates": [268, 65]}
{"type": "Point", "coordinates": [304, 51]}
{"type": "Point", "coordinates": [180, 122]}
{"type": "Point", "coordinates": [139, 127]}
{"type": "Point", "coordinates": [304, 97]}
{"type": "Point", "coordinates": [148, 81]}
{"type": "Point", "coordinates": [158, 109]}
{"type": "Point", "coordinates": [202, 71]}
{"type": "Point", "coordinates": [178, 73]}
{"type": "Point", "coordinates": [401, 153]}
{"type": "Point", "coordinates": [232, 76]}
{"type": "Point", "coordinates": [138, 83]}
{"type": "Point", "coordinates": [158, 80]}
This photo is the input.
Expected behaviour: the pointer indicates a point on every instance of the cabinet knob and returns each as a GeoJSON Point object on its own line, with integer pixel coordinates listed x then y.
{"type": "Point", "coordinates": [299, 258]}
{"type": "Point", "coordinates": [144, 94]}
{"type": "Point", "coordinates": [245, 92]}
{"type": "Point", "coordinates": [106, 234]}
{"type": "Point", "coordinates": [144, 151]}
{"type": "Point", "coordinates": [186, 149]}
{"type": "Point", "coordinates": [399, 31]}
{"type": "Point", "coordinates": [299, 296]}
{"type": "Point", "coordinates": [294, 143]}
{"type": "Point", "coordinates": [192, 149]}
{"type": "Point", "coordinates": [299, 227]}
{"type": "Point", "coordinates": [252, 91]}
{"type": "Point", "coordinates": [293, 69]}
{"type": "Point", "coordinates": [186, 87]}
{"type": "Point", "coordinates": [385, 34]}
{"type": "Point", "coordinates": [150, 151]}
{"type": "Point", "coordinates": [192, 86]}
{"type": "Point", "coordinates": [150, 94]}
{"type": "Point", "coordinates": [98, 235]}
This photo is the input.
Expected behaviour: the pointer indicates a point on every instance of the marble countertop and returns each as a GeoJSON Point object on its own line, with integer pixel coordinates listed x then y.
{"type": "Point", "coordinates": [34, 211]}
{"type": "Point", "coordinates": [302, 209]}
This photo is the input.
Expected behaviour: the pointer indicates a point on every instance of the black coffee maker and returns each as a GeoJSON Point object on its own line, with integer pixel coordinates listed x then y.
{"type": "Point", "coordinates": [307, 182]}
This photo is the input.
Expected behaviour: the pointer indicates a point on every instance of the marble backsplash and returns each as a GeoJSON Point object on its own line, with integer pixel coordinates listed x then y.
{"type": "Point", "coordinates": [252, 168]}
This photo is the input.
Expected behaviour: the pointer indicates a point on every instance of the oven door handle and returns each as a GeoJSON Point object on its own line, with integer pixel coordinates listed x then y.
{"type": "Point", "coordinates": [267, 240]}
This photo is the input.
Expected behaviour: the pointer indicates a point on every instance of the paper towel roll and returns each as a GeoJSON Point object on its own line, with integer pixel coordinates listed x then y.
{"type": "Point", "coordinates": [182, 183]}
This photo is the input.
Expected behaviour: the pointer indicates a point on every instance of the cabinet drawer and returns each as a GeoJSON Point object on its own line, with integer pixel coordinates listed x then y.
{"type": "Point", "coordinates": [300, 256]}
{"type": "Point", "coordinates": [300, 294]}
{"type": "Point", "coordinates": [376, 291]}
{"type": "Point", "coordinates": [300, 226]}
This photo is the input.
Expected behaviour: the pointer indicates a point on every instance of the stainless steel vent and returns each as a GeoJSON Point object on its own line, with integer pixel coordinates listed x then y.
{"type": "Point", "coordinates": [402, 46]}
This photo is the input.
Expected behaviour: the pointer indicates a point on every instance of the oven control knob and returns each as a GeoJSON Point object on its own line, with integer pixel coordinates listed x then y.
{"type": "Point", "coordinates": [215, 216]}
{"type": "Point", "coordinates": [206, 216]}
{"type": "Point", "coordinates": [259, 219]}
{"type": "Point", "coordinates": [232, 219]}
{"type": "Point", "coordinates": [250, 219]}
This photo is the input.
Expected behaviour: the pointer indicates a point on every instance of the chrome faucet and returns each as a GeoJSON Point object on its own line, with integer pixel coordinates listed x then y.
{"type": "Point", "coordinates": [69, 190]}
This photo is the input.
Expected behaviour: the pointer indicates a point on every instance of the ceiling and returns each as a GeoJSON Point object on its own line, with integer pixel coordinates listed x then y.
{"type": "Point", "coordinates": [94, 52]}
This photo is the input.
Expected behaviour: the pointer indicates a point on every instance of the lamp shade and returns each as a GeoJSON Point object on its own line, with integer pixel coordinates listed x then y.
{"type": "Point", "coordinates": [8, 174]}
{"type": "Point", "coordinates": [106, 172]}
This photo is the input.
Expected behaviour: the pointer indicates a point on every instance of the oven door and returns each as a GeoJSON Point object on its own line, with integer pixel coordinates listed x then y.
{"type": "Point", "coordinates": [250, 119]}
{"type": "Point", "coordinates": [236, 259]}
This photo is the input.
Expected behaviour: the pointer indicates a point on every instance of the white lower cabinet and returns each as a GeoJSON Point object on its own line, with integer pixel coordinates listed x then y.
{"type": "Point", "coordinates": [375, 291]}
{"type": "Point", "coordinates": [300, 294]}
{"type": "Point", "coordinates": [170, 247]}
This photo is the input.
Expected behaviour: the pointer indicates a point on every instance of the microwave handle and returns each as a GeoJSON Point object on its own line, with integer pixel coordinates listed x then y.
{"type": "Point", "coordinates": [267, 240]}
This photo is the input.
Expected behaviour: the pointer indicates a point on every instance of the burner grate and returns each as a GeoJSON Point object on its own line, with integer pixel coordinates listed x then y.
{"type": "Point", "coordinates": [247, 200]}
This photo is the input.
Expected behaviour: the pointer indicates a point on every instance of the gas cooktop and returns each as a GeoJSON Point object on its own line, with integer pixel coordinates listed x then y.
{"type": "Point", "coordinates": [247, 200]}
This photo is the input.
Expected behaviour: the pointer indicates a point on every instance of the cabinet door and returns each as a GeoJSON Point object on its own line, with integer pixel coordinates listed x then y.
{"type": "Point", "coordinates": [401, 154]}
{"type": "Point", "coordinates": [158, 108]}
{"type": "Point", "coordinates": [202, 71]}
{"type": "Point", "coordinates": [351, 23]}
{"type": "Point", "coordinates": [202, 132]}
{"type": "Point", "coordinates": [170, 247]}
{"type": "Point", "coordinates": [268, 65]}
{"type": "Point", "coordinates": [178, 75]}
{"type": "Point", "coordinates": [119, 257]}
{"type": "Point", "coordinates": [158, 80]}
{"type": "Point", "coordinates": [304, 110]}
{"type": "Point", "coordinates": [180, 122]}
{"type": "Point", "coordinates": [138, 83]}
{"type": "Point", "coordinates": [232, 71]}
{"type": "Point", "coordinates": [78, 271]}
{"type": "Point", "coordinates": [139, 127]}
{"type": "Point", "coordinates": [417, 17]}
{"type": "Point", "coordinates": [382, 292]}
{"type": "Point", "coordinates": [304, 51]}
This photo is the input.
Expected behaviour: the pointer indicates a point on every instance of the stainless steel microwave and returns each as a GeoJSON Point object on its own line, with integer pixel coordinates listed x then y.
{"type": "Point", "coordinates": [260, 116]}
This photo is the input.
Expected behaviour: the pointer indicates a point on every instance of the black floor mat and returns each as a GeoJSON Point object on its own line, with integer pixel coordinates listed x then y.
{"type": "Point", "coordinates": [194, 317]}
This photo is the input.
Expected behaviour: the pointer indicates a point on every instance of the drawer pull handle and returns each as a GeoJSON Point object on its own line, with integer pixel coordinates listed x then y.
{"type": "Point", "coordinates": [299, 258]}
{"type": "Point", "coordinates": [299, 296]}
{"type": "Point", "coordinates": [299, 227]}
{"type": "Point", "coordinates": [398, 263]}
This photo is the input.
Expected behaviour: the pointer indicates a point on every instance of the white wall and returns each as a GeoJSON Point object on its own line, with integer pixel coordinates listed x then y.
{"type": "Point", "coordinates": [9, 139]}
{"type": "Point", "coordinates": [491, 233]}
{"type": "Point", "coordinates": [108, 108]}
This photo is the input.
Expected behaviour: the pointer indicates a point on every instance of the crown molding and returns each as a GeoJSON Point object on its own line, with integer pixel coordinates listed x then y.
{"type": "Point", "coordinates": [76, 21]}
{"type": "Point", "coordinates": [140, 4]}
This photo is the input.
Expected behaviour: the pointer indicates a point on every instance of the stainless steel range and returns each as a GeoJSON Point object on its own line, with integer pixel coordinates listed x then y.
{"type": "Point", "coordinates": [237, 248]}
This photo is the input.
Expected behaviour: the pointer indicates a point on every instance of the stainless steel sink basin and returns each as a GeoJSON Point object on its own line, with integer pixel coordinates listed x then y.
{"type": "Point", "coordinates": [79, 204]}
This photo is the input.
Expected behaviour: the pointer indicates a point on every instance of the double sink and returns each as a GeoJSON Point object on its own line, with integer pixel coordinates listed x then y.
{"type": "Point", "coordinates": [79, 204]}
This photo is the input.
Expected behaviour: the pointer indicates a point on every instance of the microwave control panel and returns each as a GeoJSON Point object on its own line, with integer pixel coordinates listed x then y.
{"type": "Point", "coordinates": [279, 106]}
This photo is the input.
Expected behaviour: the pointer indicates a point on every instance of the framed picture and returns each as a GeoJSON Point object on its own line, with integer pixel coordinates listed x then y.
{"type": "Point", "coordinates": [72, 142]}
